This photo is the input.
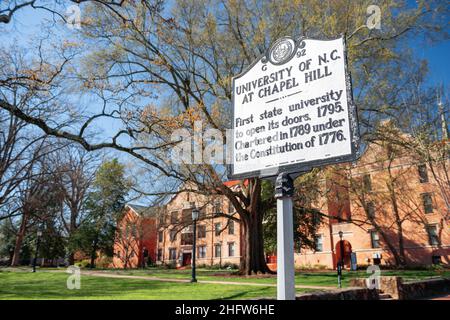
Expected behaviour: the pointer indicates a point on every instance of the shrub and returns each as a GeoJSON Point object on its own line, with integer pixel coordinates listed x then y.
{"type": "Point", "coordinates": [230, 266]}
{"type": "Point", "coordinates": [216, 266]}
{"type": "Point", "coordinates": [103, 262]}
{"type": "Point", "coordinates": [170, 265]}
{"type": "Point", "coordinates": [307, 266]}
{"type": "Point", "coordinates": [362, 266]}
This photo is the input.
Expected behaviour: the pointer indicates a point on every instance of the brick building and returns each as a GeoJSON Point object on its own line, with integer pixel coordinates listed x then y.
{"type": "Point", "coordinates": [135, 242]}
{"type": "Point", "coordinates": [390, 208]}
{"type": "Point", "coordinates": [218, 238]}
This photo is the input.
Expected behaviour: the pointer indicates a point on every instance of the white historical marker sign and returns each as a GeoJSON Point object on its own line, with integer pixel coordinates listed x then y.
{"type": "Point", "coordinates": [293, 110]}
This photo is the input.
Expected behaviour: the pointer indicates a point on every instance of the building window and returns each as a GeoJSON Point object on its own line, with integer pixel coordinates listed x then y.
{"type": "Point", "coordinates": [316, 218]}
{"type": "Point", "coordinates": [367, 182]}
{"type": "Point", "coordinates": [427, 202]}
{"type": "Point", "coordinates": [371, 210]}
{"type": "Point", "coordinates": [160, 236]}
{"type": "Point", "coordinates": [162, 219]}
{"type": "Point", "coordinates": [217, 250]}
{"type": "Point", "coordinates": [186, 216]}
{"type": "Point", "coordinates": [201, 231]}
{"type": "Point", "coordinates": [201, 213]}
{"type": "Point", "coordinates": [172, 254]}
{"type": "Point", "coordinates": [159, 254]}
{"type": "Point", "coordinates": [231, 247]}
{"type": "Point", "coordinates": [173, 235]}
{"type": "Point", "coordinates": [173, 217]}
{"type": "Point", "coordinates": [433, 236]}
{"type": "Point", "coordinates": [230, 207]}
{"type": "Point", "coordinates": [187, 239]}
{"type": "Point", "coordinates": [217, 206]}
{"type": "Point", "coordinates": [202, 252]}
{"type": "Point", "coordinates": [319, 243]}
{"type": "Point", "coordinates": [217, 228]}
{"type": "Point", "coordinates": [374, 239]}
{"type": "Point", "coordinates": [134, 231]}
{"type": "Point", "coordinates": [423, 173]}
{"type": "Point", "coordinates": [231, 227]}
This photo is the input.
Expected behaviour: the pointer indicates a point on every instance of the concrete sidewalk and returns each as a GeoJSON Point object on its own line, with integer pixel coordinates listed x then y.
{"type": "Point", "coordinates": [123, 276]}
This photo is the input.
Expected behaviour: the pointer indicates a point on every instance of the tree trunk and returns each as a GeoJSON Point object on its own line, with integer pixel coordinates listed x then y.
{"type": "Point", "coordinates": [400, 258]}
{"type": "Point", "coordinates": [93, 254]}
{"type": "Point", "coordinates": [71, 230]}
{"type": "Point", "coordinates": [71, 258]}
{"type": "Point", "coordinates": [253, 261]}
{"type": "Point", "coordinates": [19, 239]}
{"type": "Point", "coordinates": [401, 246]}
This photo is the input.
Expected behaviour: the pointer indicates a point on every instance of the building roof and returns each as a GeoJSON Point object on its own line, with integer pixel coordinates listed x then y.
{"type": "Point", "coordinates": [233, 183]}
{"type": "Point", "coordinates": [143, 210]}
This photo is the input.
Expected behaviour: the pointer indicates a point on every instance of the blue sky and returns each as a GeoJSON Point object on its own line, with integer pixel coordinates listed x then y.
{"type": "Point", "coordinates": [26, 24]}
{"type": "Point", "coordinates": [437, 56]}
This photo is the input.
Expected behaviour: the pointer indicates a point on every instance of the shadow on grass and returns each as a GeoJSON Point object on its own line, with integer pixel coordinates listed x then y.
{"type": "Point", "coordinates": [257, 292]}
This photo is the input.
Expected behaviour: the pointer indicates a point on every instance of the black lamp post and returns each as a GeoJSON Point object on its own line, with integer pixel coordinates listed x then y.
{"type": "Point", "coordinates": [194, 220]}
{"type": "Point", "coordinates": [38, 240]}
{"type": "Point", "coordinates": [341, 243]}
{"type": "Point", "coordinates": [220, 255]}
{"type": "Point", "coordinates": [340, 264]}
{"type": "Point", "coordinates": [144, 257]}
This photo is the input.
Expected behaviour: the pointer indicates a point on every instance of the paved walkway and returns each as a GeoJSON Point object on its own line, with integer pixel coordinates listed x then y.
{"type": "Point", "coordinates": [443, 297]}
{"type": "Point", "coordinates": [123, 276]}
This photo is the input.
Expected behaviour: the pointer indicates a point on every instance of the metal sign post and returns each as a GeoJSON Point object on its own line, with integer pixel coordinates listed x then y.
{"type": "Point", "coordinates": [284, 191]}
{"type": "Point", "coordinates": [339, 272]}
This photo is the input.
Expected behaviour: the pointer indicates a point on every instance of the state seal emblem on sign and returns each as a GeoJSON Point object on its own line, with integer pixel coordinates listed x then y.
{"type": "Point", "coordinates": [282, 51]}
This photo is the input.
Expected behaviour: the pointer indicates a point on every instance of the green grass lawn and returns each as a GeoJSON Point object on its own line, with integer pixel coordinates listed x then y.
{"type": "Point", "coordinates": [322, 278]}
{"type": "Point", "coordinates": [20, 283]}
{"type": "Point", "coordinates": [52, 285]}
